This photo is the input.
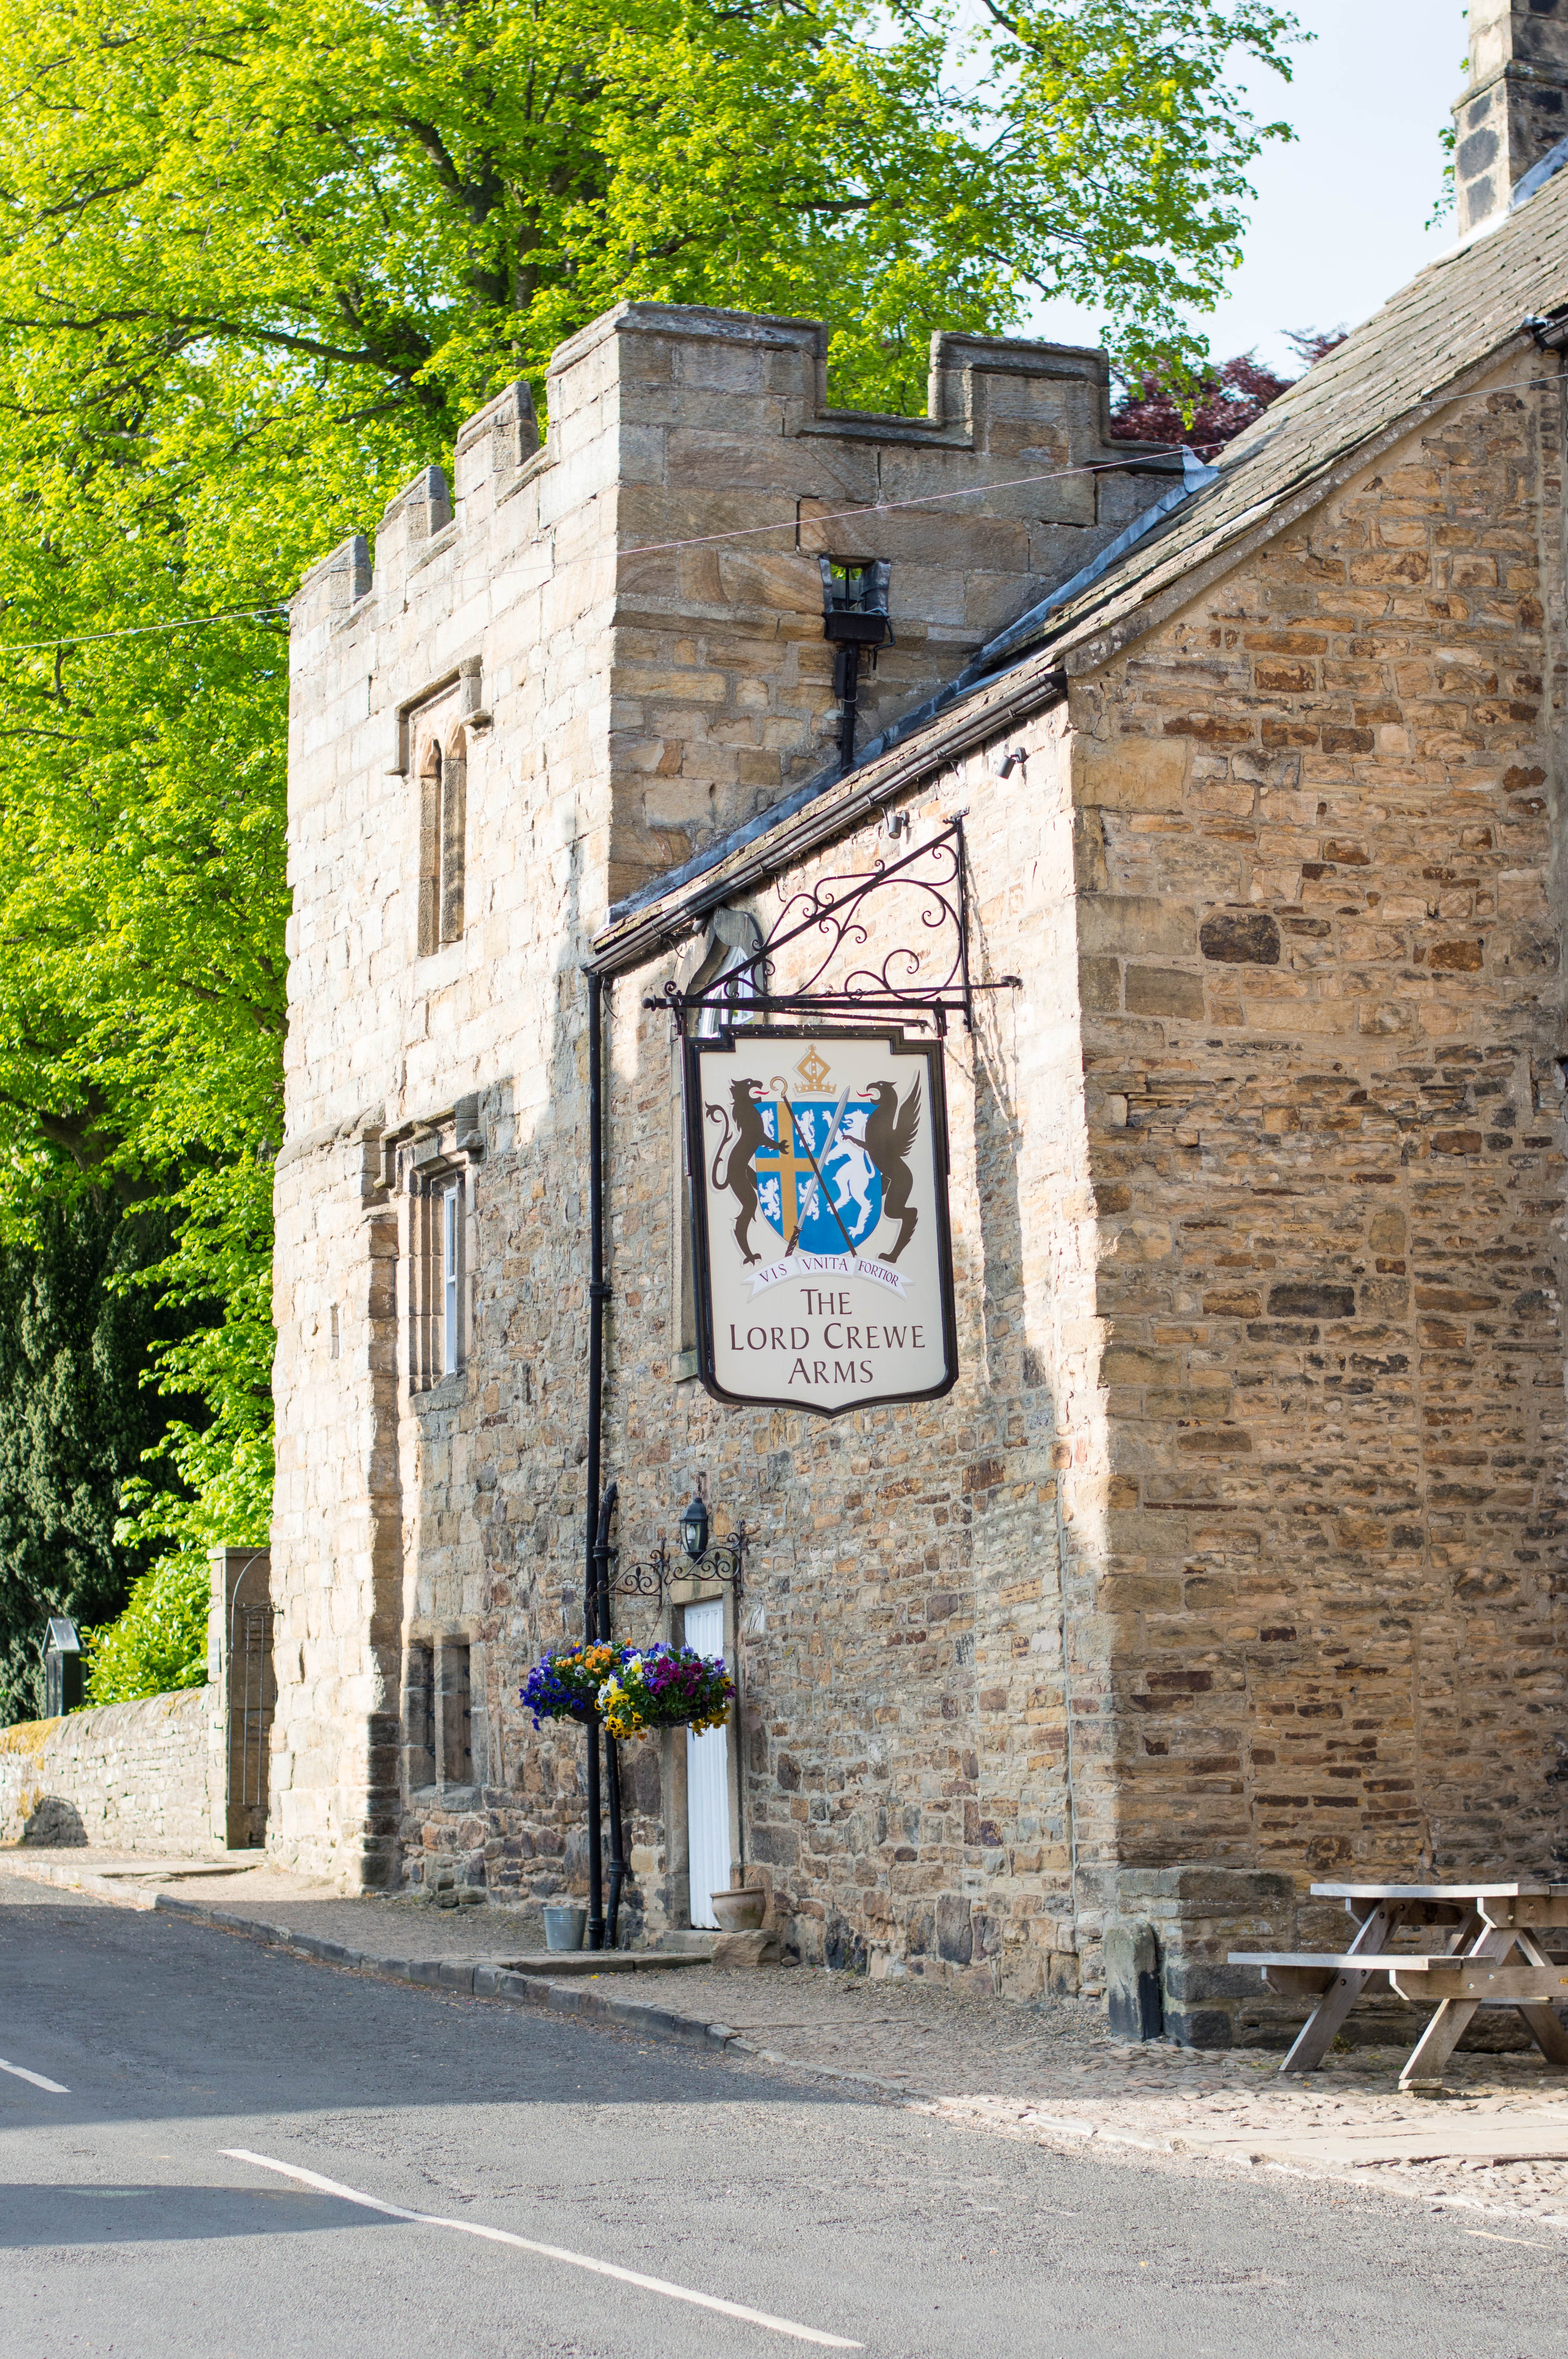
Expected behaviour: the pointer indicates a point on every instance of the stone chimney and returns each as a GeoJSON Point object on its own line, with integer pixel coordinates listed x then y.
{"type": "Point", "coordinates": [1514, 108]}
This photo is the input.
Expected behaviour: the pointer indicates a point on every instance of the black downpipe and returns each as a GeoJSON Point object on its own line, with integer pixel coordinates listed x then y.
{"type": "Point", "coordinates": [597, 1295]}
{"type": "Point", "coordinates": [617, 1861]}
{"type": "Point", "coordinates": [847, 687]}
{"type": "Point", "coordinates": [611, 1750]}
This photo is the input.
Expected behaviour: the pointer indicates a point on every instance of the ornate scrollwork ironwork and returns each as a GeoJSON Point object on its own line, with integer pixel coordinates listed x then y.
{"type": "Point", "coordinates": [926, 979]}
{"type": "Point", "coordinates": [832, 908]}
{"type": "Point", "coordinates": [722, 1563]}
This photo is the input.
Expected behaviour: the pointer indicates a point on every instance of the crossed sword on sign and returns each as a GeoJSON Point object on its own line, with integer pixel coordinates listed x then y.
{"type": "Point", "coordinates": [797, 1130]}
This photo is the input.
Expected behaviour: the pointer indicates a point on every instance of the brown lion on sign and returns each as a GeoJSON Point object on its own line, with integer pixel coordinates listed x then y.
{"type": "Point", "coordinates": [738, 1175]}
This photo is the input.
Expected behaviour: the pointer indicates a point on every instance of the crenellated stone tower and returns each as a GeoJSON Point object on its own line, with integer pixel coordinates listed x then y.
{"type": "Point", "coordinates": [548, 689]}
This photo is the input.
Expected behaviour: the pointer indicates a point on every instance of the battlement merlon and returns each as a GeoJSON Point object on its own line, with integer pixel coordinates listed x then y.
{"type": "Point", "coordinates": [493, 446]}
{"type": "Point", "coordinates": [337, 582]}
{"type": "Point", "coordinates": [976, 386]}
{"type": "Point", "coordinates": [643, 592]}
{"type": "Point", "coordinates": [997, 407]}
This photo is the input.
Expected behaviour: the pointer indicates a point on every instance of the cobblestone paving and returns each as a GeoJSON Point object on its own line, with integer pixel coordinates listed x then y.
{"type": "Point", "coordinates": [1497, 2141]}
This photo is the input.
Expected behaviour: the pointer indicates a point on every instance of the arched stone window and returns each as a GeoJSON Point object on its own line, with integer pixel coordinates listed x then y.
{"type": "Point", "coordinates": [443, 816]}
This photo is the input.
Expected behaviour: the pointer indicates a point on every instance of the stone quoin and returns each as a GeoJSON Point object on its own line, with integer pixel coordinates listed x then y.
{"type": "Point", "coordinates": [1234, 1556]}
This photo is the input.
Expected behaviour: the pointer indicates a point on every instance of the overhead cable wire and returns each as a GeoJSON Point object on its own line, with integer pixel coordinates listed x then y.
{"type": "Point", "coordinates": [923, 499]}
{"type": "Point", "coordinates": [1010, 483]}
{"type": "Point", "coordinates": [643, 549]}
{"type": "Point", "coordinates": [279, 608]}
{"type": "Point", "coordinates": [138, 630]}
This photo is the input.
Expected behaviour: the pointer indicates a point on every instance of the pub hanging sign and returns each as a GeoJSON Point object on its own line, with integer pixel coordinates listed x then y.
{"type": "Point", "coordinates": [823, 1267]}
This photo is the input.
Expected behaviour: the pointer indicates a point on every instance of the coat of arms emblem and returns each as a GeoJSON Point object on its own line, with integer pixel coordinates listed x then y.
{"type": "Point", "coordinates": [818, 1174]}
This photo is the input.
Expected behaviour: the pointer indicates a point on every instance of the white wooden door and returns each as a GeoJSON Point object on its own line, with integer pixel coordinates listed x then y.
{"type": "Point", "coordinates": [706, 1780]}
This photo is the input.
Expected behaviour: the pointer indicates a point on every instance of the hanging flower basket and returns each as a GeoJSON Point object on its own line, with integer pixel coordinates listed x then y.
{"type": "Point", "coordinates": [632, 1690]}
{"type": "Point", "coordinates": [565, 1685]}
{"type": "Point", "coordinates": [665, 1687]}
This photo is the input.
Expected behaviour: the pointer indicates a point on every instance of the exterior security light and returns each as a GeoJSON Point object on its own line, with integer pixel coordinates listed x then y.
{"type": "Point", "coordinates": [694, 1528]}
{"type": "Point", "coordinates": [855, 603]}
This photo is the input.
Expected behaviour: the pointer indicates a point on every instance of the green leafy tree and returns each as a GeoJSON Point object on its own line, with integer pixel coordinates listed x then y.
{"type": "Point", "coordinates": [158, 1643]}
{"type": "Point", "coordinates": [255, 265]}
{"type": "Point", "coordinates": [75, 1417]}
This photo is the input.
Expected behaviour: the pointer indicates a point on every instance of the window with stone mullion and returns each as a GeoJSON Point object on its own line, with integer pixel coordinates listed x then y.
{"type": "Point", "coordinates": [437, 1261]}
{"type": "Point", "coordinates": [443, 834]}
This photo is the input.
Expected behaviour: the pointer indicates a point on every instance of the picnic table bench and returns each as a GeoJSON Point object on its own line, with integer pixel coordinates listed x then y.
{"type": "Point", "coordinates": [1481, 1927]}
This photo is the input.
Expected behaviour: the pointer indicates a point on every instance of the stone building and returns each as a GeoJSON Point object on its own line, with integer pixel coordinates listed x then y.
{"type": "Point", "coordinates": [1235, 1554]}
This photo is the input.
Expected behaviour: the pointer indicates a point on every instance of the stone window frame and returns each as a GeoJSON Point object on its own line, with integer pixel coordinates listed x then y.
{"type": "Point", "coordinates": [442, 1730]}
{"type": "Point", "coordinates": [428, 1162]}
{"type": "Point", "coordinates": [442, 770]}
{"type": "Point", "coordinates": [450, 1258]}
{"type": "Point", "coordinates": [431, 1188]}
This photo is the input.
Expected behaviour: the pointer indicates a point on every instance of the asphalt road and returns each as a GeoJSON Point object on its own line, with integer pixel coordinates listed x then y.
{"type": "Point", "coordinates": [128, 2221]}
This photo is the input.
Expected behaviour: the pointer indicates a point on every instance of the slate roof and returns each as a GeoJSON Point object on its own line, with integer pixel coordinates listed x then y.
{"type": "Point", "coordinates": [1453, 319]}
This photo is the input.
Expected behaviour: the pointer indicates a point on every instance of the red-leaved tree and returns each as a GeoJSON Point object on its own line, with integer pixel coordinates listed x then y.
{"type": "Point", "coordinates": [1229, 398]}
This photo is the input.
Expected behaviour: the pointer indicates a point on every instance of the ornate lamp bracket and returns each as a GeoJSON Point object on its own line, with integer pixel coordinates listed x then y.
{"type": "Point", "coordinates": [663, 1567]}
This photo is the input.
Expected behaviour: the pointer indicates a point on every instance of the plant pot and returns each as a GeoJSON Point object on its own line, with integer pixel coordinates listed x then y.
{"type": "Point", "coordinates": [740, 1912]}
{"type": "Point", "coordinates": [565, 1927]}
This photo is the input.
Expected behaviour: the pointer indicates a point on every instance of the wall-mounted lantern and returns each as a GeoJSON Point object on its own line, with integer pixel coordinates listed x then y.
{"type": "Point", "coordinates": [694, 1528]}
{"type": "Point", "coordinates": [720, 1562]}
{"type": "Point", "coordinates": [855, 615]}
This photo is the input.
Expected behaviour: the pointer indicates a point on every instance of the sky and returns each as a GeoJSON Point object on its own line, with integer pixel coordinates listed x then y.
{"type": "Point", "coordinates": [1339, 222]}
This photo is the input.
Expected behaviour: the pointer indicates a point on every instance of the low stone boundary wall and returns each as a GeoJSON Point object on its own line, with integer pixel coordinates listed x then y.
{"type": "Point", "coordinates": [124, 1777]}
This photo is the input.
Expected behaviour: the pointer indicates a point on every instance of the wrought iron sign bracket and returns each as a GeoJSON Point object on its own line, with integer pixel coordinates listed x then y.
{"type": "Point", "coordinates": [923, 980]}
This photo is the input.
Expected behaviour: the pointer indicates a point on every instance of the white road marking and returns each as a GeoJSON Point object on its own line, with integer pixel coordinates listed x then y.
{"type": "Point", "coordinates": [546, 2252]}
{"type": "Point", "coordinates": [55, 2088]}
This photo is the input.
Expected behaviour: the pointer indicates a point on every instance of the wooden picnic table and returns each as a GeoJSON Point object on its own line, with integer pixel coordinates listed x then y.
{"type": "Point", "coordinates": [1479, 1925]}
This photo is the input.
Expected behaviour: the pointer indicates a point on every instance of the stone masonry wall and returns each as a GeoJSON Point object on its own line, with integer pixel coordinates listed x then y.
{"type": "Point", "coordinates": [1308, 1457]}
{"type": "Point", "coordinates": [1236, 1551]}
{"type": "Point", "coordinates": [905, 1740]}
{"type": "Point", "coordinates": [1320, 957]}
{"type": "Point", "coordinates": [525, 637]}
{"type": "Point", "coordinates": [722, 679]}
{"type": "Point", "coordinates": [904, 1746]}
{"type": "Point", "coordinates": [125, 1777]}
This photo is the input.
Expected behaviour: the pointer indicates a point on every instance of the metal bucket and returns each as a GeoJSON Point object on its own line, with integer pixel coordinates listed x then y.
{"type": "Point", "coordinates": [565, 1927]}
